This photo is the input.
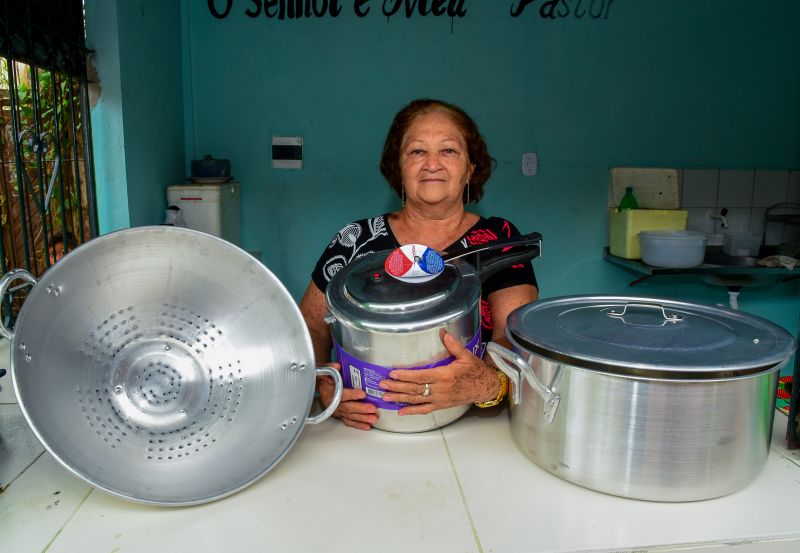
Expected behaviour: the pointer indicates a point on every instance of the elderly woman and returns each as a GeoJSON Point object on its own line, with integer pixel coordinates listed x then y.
{"type": "Point", "coordinates": [436, 161]}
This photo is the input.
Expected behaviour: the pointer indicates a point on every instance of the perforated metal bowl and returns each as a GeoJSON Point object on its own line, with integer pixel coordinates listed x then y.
{"type": "Point", "coordinates": [163, 365]}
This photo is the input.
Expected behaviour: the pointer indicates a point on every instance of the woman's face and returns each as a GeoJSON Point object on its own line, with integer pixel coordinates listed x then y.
{"type": "Point", "coordinates": [434, 161]}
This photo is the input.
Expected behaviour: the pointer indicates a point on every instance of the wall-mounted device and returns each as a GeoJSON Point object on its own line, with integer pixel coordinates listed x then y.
{"type": "Point", "coordinates": [287, 152]}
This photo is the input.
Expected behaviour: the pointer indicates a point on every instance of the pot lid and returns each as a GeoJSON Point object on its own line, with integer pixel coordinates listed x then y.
{"type": "Point", "coordinates": [365, 295]}
{"type": "Point", "coordinates": [649, 336]}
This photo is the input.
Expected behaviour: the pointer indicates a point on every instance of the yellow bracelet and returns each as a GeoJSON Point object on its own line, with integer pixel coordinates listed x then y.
{"type": "Point", "coordinates": [501, 393]}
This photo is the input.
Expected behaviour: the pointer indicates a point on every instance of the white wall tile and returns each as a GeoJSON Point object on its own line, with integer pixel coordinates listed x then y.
{"type": "Point", "coordinates": [757, 220]}
{"type": "Point", "coordinates": [791, 234]}
{"type": "Point", "coordinates": [771, 187]}
{"type": "Point", "coordinates": [698, 220]}
{"type": "Point", "coordinates": [699, 188]}
{"type": "Point", "coordinates": [773, 234]}
{"type": "Point", "coordinates": [6, 384]}
{"type": "Point", "coordinates": [738, 219]}
{"type": "Point", "coordinates": [745, 194]}
{"type": "Point", "coordinates": [794, 187]}
{"type": "Point", "coordinates": [735, 188]}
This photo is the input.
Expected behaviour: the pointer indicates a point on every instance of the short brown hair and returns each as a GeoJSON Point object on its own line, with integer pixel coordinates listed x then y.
{"type": "Point", "coordinates": [477, 150]}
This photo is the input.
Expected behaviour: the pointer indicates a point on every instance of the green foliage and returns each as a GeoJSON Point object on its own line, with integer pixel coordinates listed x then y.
{"type": "Point", "coordinates": [44, 104]}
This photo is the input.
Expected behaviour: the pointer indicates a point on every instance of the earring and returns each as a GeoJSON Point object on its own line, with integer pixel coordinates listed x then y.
{"type": "Point", "coordinates": [403, 197]}
{"type": "Point", "coordinates": [467, 193]}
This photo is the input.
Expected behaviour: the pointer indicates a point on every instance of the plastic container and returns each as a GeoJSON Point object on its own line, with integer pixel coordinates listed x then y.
{"type": "Point", "coordinates": [673, 249]}
{"type": "Point", "coordinates": [741, 244]}
{"type": "Point", "coordinates": [210, 208]}
{"type": "Point", "coordinates": [625, 225]}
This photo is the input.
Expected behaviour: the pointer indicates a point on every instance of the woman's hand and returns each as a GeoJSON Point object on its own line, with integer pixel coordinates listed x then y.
{"type": "Point", "coordinates": [352, 410]}
{"type": "Point", "coordinates": [466, 380]}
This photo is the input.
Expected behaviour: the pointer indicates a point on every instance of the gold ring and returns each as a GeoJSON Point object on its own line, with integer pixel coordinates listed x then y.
{"type": "Point", "coordinates": [427, 391]}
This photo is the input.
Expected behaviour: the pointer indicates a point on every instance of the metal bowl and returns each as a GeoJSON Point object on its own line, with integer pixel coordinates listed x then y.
{"type": "Point", "coordinates": [163, 365]}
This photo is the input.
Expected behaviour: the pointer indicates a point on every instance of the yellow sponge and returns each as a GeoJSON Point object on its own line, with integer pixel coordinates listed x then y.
{"type": "Point", "coordinates": [626, 224]}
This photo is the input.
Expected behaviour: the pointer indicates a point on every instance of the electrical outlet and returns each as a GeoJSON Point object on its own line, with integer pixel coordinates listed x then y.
{"type": "Point", "coordinates": [530, 164]}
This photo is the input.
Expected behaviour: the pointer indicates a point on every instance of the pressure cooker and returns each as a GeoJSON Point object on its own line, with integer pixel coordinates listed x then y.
{"type": "Point", "coordinates": [380, 323]}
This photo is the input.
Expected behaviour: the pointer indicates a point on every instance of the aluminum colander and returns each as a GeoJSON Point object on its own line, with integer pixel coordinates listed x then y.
{"type": "Point", "coordinates": [163, 365]}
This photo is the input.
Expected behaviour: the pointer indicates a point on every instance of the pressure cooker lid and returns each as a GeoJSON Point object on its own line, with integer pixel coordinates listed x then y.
{"type": "Point", "coordinates": [363, 293]}
{"type": "Point", "coordinates": [650, 335]}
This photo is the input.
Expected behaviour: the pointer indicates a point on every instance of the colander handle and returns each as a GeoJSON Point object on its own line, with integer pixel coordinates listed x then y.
{"type": "Point", "coordinates": [337, 394]}
{"type": "Point", "coordinates": [5, 282]}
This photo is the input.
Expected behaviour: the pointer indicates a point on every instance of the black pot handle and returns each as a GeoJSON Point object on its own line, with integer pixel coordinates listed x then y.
{"type": "Point", "coordinates": [526, 247]}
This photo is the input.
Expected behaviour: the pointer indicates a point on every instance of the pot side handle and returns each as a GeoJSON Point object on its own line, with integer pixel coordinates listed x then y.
{"type": "Point", "coordinates": [337, 394]}
{"type": "Point", "coordinates": [520, 368]}
{"type": "Point", "coordinates": [5, 283]}
{"type": "Point", "coordinates": [498, 354]}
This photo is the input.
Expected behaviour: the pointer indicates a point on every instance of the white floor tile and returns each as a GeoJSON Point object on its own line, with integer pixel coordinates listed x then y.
{"type": "Point", "coordinates": [18, 445]}
{"type": "Point", "coordinates": [37, 505]}
{"type": "Point", "coordinates": [6, 387]}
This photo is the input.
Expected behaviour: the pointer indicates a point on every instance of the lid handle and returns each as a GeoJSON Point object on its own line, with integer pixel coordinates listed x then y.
{"type": "Point", "coordinates": [665, 317]}
{"type": "Point", "coordinates": [528, 246]}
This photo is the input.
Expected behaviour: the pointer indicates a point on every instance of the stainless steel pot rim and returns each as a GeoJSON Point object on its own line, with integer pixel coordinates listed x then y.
{"type": "Point", "coordinates": [645, 373]}
{"type": "Point", "coordinates": [643, 335]}
{"type": "Point", "coordinates": [364, 296]}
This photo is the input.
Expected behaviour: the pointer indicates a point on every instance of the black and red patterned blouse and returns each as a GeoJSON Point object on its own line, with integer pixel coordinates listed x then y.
{"type": "Point", "coordinates": [368, 236]}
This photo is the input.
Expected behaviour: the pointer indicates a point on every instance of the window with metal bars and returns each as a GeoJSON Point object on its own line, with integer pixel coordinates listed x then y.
{"type": "Point", "coordinates": [46, 177]}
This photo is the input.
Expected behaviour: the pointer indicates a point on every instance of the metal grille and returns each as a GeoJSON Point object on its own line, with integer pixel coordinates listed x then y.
{"type": "Point", "coordinates": [47, 204]}
{"type": "Point", "coordinates": [46, 200]}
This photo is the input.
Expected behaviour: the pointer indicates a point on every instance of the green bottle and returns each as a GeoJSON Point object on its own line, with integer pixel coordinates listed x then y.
{"type": "Point", "coordinates": [628, 200]}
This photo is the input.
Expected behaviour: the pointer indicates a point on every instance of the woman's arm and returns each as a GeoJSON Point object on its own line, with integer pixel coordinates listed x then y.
{"type": "Point", "coordinates": [313, 308]}
{"type": "Point", "coordinates": [503, 302]}
{"type": "Point", "coordinates": [351, 410]}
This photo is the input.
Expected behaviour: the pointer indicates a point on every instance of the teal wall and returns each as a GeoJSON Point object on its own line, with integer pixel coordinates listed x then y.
{"type": "Point", "coordinates": [673, 83]}
{"type": "Point", "coordinates": [108, 139]}
{"type": "Point", "coordinates": [138, 121]}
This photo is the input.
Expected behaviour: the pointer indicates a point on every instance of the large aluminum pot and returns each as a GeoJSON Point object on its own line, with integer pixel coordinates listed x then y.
{"type": "Point", "coordinates": [163, 365]}
{"type": "Point", "coordinates": [379, 323]}
{"type": "Point", "coordinates": [643, 398]}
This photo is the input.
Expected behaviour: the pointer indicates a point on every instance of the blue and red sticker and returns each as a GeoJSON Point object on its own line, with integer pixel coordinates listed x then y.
{"type": "Point", "coordinates": [414, 263]}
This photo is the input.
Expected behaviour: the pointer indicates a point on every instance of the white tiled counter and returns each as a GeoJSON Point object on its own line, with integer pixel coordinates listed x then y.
{"type": "Point", "coordinates": [465, 488]}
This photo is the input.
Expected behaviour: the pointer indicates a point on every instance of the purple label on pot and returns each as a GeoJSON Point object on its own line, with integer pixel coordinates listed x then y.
{"type": "Point", "coordinates": [363, 375]}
